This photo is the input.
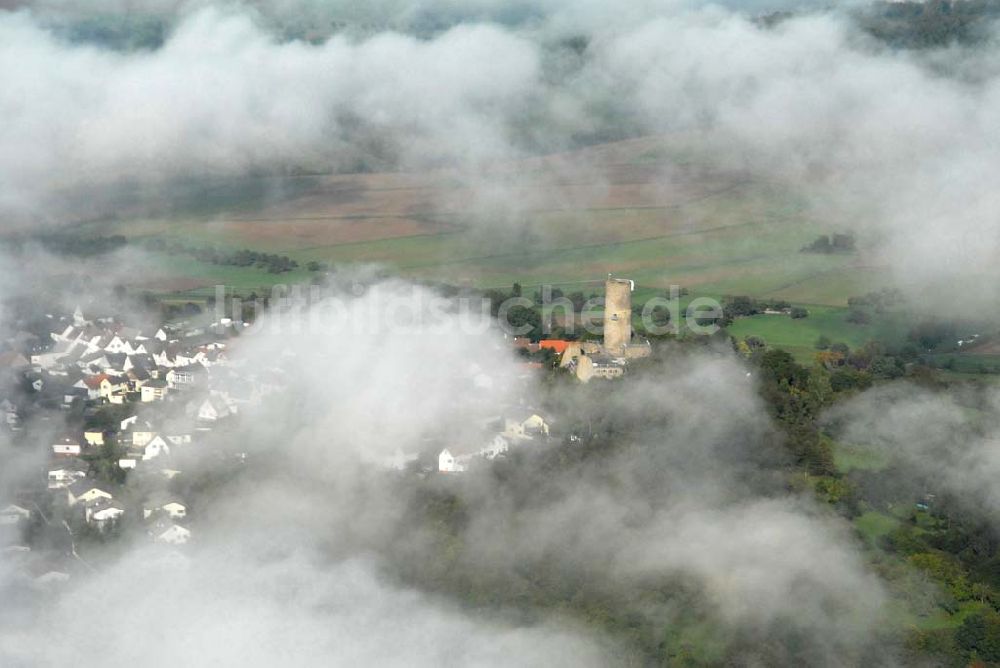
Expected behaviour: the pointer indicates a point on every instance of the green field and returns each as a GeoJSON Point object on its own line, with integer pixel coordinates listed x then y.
{"type": "Point", "coordinates": [653, 209]}
{"type": "Point", "coordinates": [759, 258]}
{"type": "Point", "coordinates": [848, 458]}
{"type": "Point", "coordinates": [799, 336]}
{"type": "Point", "coordinates": [874, 525]}
{"type": "Point", "coordinates": [656, 210]}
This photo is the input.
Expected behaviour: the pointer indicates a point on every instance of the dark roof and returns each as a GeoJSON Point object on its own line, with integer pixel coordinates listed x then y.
{"type": "Point", "coordinates": [117, 360]}
{"type": "Point", "coordinates": [161, 498]}
{"type": "Point", "coordinates": [70, 463]}
{"type": "Point", "coordinates": [144, 361]}
{"type": "Point", "coordinates": [92, 331]}
{"type": "Point", "coordinates": [604, 360]}
{"type": "Point", "coordinates": [102, 503]}
{"type": "Point", "coordinates": [519, 414]}
{"type": "Point", "coordinates": [83, 486]}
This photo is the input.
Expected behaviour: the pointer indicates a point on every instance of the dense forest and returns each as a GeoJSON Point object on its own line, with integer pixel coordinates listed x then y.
{"type": "Point", "coordinates": [943, 558]}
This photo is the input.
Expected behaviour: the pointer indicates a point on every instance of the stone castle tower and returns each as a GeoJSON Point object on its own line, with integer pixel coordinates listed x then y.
{"type": "Point", "coordinates": [617, 315]}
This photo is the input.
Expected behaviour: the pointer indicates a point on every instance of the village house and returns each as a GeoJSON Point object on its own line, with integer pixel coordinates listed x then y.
{"type": "Point", "coordinates": [138, 435]}
{"type": "Point", "coordinates": [50, 358]}
{"type": "Point", "coordinates": [65, 473]}
{"type": "Point", "coordinates": [71, 394]}
{"type": "Point", "coordinates": [524, 424]}
{"type": "Point", "coordinates": [117, 363]}
{"type": "Point", "coordinates": [495, 447]}
{"type": "Point", "coordinates": [165, 358]}
{"type": "Point", "coordinates": [452, 463]}
{"type": "Point", "coordinates": [92, 384]}
{"type": "Point", "coordinates": [455, 459]}
{"type": "Point", "coordinates": [66, 447]}
{"type": "Point", "coordinates": [137, 375]}
{"type": "Point", "coordinates": [96, 362]}
{"type": "Point", "coordinates": [599, 366]}
{"type": "Point", "coordinates": [113, 386]}
{"type": "Point", "coordinates": [153, 390]}
{"type": "Point", "coordinates": [129, 360]}
{"type": "Point", "coordinates": [167, 506]}
{"type": "Point", "coordinates": [84, 491]}
{"type": "Point", "coordinates": [155, 447]}
{"type": "Point", "coordinates": [93, 437]}
{"type": "Point", "coordinates": [182, 376]}
{"type": "Point", "coordinates": [102, 513]}
{"type": "Point", "coordinates": [211, 409]}
{"type": "Point", "coordinates": [167, 532]}
{"type": "Point", "coordinates": [13, 514]}
{"type": "Point", "coordinates": [115, 344]}
{"type": "Point", "coordinates": [135, 348]}
{"type": "Point", "coordinates": [115, 389]}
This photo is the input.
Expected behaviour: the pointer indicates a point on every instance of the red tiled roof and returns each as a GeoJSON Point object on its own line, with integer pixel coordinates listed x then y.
{"type": "Point", "coordinates": [557, 345]}
{"type": "Point", "coordinates": [94, 382]}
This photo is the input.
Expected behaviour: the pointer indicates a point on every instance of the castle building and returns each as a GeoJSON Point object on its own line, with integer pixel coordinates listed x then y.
{"type": "Point", "coordinates": [617, 315]}
{"type": "Point", "coordinates": [590, 359]}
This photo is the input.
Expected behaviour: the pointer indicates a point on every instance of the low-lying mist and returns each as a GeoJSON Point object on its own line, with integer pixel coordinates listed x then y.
{"type": "Point", "coordinates": [664, 498]}
{"type": "Point", "coordinates": [891, 144]}
{"type": "Point", "coordinates": [947, 440]}
{"type": "Point", "coordinates": [315, 552]}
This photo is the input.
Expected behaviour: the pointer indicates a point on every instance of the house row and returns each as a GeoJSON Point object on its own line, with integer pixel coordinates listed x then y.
{"type": "Point", "coordinates": [138, 384]}
{"type": "Point", "coordinates": [101, 510]}
{"type": "Point", "coordinates": [517, 427]}
{"type": "Point", "coordinates": [114, 360]}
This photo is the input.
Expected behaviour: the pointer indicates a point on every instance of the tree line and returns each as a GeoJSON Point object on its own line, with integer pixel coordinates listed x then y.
{"type": "Point", "coordinates": [272, 262]}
